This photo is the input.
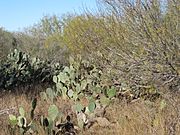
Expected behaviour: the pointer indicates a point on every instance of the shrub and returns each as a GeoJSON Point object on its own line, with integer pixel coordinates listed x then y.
{"type": "Point", "coordinates": [20, 69]}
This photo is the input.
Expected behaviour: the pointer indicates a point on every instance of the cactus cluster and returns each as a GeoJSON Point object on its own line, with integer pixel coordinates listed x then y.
{"type": "Point", "coordinates": [19, 68]}
{"type": "Point", "coordinates": [21, 120]}
{"type": "Point", "coordinates": [48, 123]}
{"type": "Point", "coordinates": [81, 82]}
{"type": "Point", "coordinates": [77, 80]}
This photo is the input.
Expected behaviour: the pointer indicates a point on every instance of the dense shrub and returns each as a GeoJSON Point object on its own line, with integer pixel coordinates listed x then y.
{"type": "Point", "coordinates": [136, 42]}
{"type": "Point", "coordinates": [20, 69]}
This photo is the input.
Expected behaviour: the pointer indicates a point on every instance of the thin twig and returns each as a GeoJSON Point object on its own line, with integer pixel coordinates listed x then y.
{"type": "Point", "coordinates": [7, 111]}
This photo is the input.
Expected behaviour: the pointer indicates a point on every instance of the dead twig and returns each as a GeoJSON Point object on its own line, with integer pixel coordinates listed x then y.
{"type": "Point", "coordinates": [7, 111]}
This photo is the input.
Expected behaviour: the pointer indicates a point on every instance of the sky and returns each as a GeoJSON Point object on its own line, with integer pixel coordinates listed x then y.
{"type": "Point", "coordinates": [17, 14]}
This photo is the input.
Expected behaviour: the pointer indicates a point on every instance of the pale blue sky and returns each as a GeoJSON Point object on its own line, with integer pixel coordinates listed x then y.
{"type": "Point", "coordinates": [17, 14]}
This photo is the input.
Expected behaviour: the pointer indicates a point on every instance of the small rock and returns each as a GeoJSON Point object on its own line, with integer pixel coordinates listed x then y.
{"type": "Point", "coordinates": [103, 122]}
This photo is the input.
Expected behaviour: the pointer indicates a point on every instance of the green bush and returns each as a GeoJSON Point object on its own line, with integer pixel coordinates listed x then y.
{"type": "Point", "coordinates": [20, 69]}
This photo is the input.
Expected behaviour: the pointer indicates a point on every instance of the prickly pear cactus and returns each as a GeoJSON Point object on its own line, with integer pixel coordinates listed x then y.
{"type": "Point", "coordinates": [19, 68]}
{"type": "Point", "coordinates": [76, 79]}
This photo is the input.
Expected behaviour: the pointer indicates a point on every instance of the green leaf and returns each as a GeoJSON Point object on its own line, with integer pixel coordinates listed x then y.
{"type": "Point", "coordinates": [12, 120]}
{"type": "Point", "coordinates": [21, 111]}
{"type": "Point", "coordinates": [104, 100]}
{"type": "Point", "coordinates": [79, 107]}
{"type": "Point", "coordinates": [91, 99]}
{"type": "Point", "coordinates": [70, 93]}
{"type": "Point", "coordinates": [34, 103]}
{"type": "Point", "coordinates": [89, 81]}
{"type": "Point", "coordinates": [71, 60]}
{"type": "Point", "coordinates": [83, 84]}
{"type": "Point", "coordinates": [72, 73]}
{"type": "Point", "coordinates": [50, 93]}
{"type": "Point", "coordinates": [44, 122]}
{"type": "Point", "coordinates": [78, 88]}
{"type": "Point", "coordinates": [50, 123]}
{"type": "Point", "coordinates": [81, 118]}
{"type": "Point", "coordinates": [33, 60]}
{"type": "Point", "coordinates": [55, 79]}
{"type": "Point", "coordinates": [63, 77]}
{"type": "Point", "coordinates": [111, 92]}
{"type": "Point", "coordinates": [22, 121]}
{"type": "Point", "coordinates": [53, 112]}
{"type": "Point", "coordinates": [59, 85]}
{"type": "Point", "coordinates": [32, 114]}
{"type": "Point", "coordinates": [22, 131]}
{"type": "Point", "coordinates": [91, 107]}
{"type": "Point", "coordinates": [75, 96]}
{"type": "Point", "coordinates": [64, 92]}
{"type": "Point", "coordinates": [43, 95]}
{"type": "Point", "coordinates": [72, 68]}
{"type": "Point", "coordinates": [66, 69]}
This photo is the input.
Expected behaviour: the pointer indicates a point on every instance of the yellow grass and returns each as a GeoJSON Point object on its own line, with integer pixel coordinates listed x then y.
{"type": "Point", "coordinates": [136, 118]}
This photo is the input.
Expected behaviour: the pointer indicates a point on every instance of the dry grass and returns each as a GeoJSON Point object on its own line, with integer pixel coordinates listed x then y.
{"type": "Point", "coordinates": [136, 118]}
